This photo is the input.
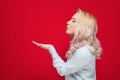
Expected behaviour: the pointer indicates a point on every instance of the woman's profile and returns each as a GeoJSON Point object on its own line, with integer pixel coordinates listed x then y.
{"type": "Point", "coordinates": [84, 48]}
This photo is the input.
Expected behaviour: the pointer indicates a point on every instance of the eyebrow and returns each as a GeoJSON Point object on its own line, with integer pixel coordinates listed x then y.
{"type": "Point", "coordinates": [74, 18]}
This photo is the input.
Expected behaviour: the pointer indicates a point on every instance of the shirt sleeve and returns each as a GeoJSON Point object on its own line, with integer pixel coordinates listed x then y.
{"type": "Point", "coordinates": [79, 60]}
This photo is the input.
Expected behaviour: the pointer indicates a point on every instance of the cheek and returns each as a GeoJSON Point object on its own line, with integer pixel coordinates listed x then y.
{"type": "Point", "coordinates": [73, 30]}
{"type": "Point", "coordinates": [73, 27]}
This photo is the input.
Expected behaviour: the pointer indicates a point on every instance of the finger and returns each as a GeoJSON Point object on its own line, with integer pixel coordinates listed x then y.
{"type": "Point", "coordinates": [38, 44]}
{"type": "Point", "coordinates": [35, 43]}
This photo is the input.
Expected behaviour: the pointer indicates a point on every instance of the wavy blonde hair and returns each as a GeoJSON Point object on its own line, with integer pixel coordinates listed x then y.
{"type": "Point", "coordinates": [85, 33]}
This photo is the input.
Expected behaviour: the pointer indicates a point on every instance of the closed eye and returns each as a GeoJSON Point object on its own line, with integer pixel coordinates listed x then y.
{"type": "Point", "coordinates": [74, 20]}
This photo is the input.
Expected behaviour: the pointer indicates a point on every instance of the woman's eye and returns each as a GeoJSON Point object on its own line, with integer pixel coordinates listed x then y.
{"type": "Point", "coordinates": [73, 20]}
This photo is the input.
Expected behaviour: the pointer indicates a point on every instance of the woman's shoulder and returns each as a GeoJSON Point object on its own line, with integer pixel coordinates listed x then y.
{"type": "Point", "coordinates": [85, 50]}
{"type": "Point", "coordinates": [85, 47]}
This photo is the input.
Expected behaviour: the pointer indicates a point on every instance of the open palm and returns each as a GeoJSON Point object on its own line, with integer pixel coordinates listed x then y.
{"type": "Point", "coordinates": [44, 46]}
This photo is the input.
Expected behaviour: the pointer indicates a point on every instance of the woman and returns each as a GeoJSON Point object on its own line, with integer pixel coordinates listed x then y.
{"type": "Point", "coordinates": [84, 49]}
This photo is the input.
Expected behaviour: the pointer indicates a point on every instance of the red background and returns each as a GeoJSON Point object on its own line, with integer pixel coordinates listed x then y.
{"type": "Point", "coordinates": [45, 21]}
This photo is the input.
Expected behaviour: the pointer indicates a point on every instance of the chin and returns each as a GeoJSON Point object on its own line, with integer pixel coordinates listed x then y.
{"type": "Point", "coordinates": [67, 32]}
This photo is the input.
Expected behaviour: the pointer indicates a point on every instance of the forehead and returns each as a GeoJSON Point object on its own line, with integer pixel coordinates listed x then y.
{"type": "Point", "coordinates": [75, 15]}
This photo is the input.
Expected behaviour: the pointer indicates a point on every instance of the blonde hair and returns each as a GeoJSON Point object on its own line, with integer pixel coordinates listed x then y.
{"type": "Point", "coordinates": [85, 33]}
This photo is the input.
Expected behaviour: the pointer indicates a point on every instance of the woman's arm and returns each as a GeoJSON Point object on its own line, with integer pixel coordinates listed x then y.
{"type": "Point", "coordinates": [79, 60]}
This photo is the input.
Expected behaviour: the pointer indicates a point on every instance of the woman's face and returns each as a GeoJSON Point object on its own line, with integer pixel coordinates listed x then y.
{"type": "Point", "coordinates": [71, 24]}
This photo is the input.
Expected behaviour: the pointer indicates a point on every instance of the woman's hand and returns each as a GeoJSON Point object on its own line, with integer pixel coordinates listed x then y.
{"type": "Point", "coordinates": [44, 46]}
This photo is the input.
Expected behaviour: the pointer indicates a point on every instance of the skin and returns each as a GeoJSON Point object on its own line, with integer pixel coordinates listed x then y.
{"type": "Point", "coordinates": [70, 31]}
{"type": "Point", "coordinates": [71, 25]}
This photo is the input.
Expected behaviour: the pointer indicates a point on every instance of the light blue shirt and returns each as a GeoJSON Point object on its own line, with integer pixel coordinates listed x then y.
{"type": "Point", "coordinates": [81, 66]}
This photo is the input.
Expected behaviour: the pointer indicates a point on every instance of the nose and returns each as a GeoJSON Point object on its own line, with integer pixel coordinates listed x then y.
{"type": "Point", "coordinates": [68, 22]}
